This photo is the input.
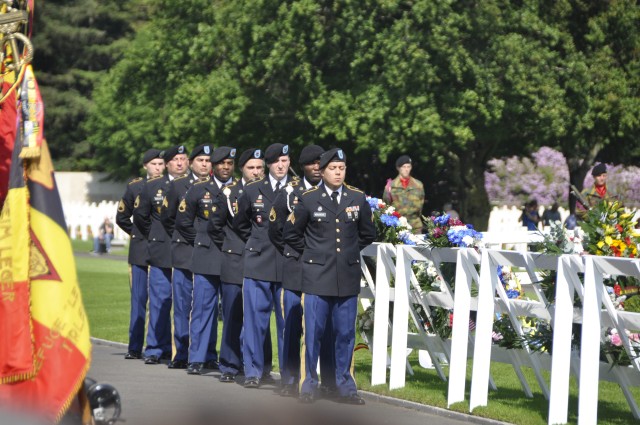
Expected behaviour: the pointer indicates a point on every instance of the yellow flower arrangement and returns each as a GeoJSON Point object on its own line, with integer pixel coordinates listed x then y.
{"type": "Point", "coordinates": [610, 230]}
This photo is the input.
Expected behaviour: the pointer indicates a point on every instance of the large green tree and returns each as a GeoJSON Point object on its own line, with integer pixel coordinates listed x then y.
{"type": "Point", "coordinates": [451, 83]}
{"type": "Point", "coordinates": [75, 42]}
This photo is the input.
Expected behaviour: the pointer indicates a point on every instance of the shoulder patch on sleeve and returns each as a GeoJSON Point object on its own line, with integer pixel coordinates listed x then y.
{"type": "Point", "coordinates": [272, 214]}
{"type": "Point", "coordinates": [165, 202]}
{"type": "Point", "coordinates": [137, 202]}
{"type": "Point", "coordinates": [121, 206]}
{"type": "Point", "coordinates": [292, 218]}
{"type": "Point", "coordinates": [183, 206]}
{"type": "Point", "coordinates": [136, 180]}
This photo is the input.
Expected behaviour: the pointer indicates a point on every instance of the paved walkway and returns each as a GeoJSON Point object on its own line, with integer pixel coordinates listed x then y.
{"type": "Point", "coordinates": [154, 394]}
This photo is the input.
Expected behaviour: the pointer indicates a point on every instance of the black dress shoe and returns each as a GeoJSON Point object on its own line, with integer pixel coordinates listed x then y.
{"type": "Point", "coordinates": [177, 364]}
{"type": "Point", "coordinates": [212, 364]}
{"type": "Point", "coordinates": [306, 398]}
{"type": "Point", "coordinates": [354, 399]}
{"type": "Point", "coordinates": [227, 377]}
{"type": "Point", "coordinates": [267, 379]}
{"type": "Point", "coordinates": [133, 355]}
{"type": "Point", "coordinates": [195, 368]}
{"type": "Point", "coordinates": [151, 360]}
{"type": "Point", "coordinates": [252, 382]}
{"type": "Point", "coordinates": [326, 392]}
{"type": "Point", "coordinates": [289, 390]}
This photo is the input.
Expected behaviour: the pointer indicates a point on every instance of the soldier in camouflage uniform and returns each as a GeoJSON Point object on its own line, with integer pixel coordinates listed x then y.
{"type": "Point", "coordinates": [406, 194]}
{"type": "Point", "coordinates": [595, 194]}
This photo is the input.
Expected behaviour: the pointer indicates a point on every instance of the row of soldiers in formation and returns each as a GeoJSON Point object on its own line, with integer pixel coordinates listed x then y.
{"type": "Point", "coordinates": [265, 241]}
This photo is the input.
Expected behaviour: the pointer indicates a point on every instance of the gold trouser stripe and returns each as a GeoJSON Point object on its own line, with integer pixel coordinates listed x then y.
{"type": "Point", "coordinates": [353, 353]}
{"type": "Point", "coordinates": [172, 317]}
{"type": "Point", "coordinates": [146, 320]}
{"type": "Point", "coordinates": [303, 349]}
{"type": "Point", "coordinates": [282, 304]}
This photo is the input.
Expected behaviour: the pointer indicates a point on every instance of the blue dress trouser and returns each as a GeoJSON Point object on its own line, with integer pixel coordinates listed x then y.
{"type": "Point", "coordinates": [290, 372]}
{"type": "Point", "coordinates": [159, 331]}
{"type": "Point", "coordinates": [203, 329]}
{"type": "Point", "coordinates": [182, 295]}
{"type": "Point", "coordinates": [139, 298]}
{"type": "Point", "coordinates": [230, 346]}
{"type": "Point", "coordinates": [259, 297]}
{"type": "Point", "coordinates": [339, 314]}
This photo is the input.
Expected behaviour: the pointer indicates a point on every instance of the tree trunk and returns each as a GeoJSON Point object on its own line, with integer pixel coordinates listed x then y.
{"type": "Point", "coordinates": [578, 168]}
{"type": "Point", "coordinates": [468, 179]}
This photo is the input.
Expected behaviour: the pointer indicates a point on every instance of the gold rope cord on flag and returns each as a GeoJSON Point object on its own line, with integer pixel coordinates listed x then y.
{"type": "Point", "coordinates": [11, 58]}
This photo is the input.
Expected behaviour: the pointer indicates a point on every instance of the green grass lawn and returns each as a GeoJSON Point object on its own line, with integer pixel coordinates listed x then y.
{"type": "Point", "coordinates": [508, 403]}
{"type": "Point", "coordinates": [104, 284]}
{"type": "Point", "coordinates": [87, 246]}
{"type": "Point", "coordinates": [105, 288]}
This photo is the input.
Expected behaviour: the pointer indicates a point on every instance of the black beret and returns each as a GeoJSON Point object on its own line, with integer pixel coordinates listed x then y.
{"type": "Point", "coordinates": [332, 155]}
{"type": "Point", "coordinates": [150, 155]}
{"type": "Point", "coordinates": [200, 150]}
{"type": "Point", "coordinates": [274, 152]}
{"type": "Point", "coordinates": [599, 169]}
{"type": "Point", "coordinates": [310, 154]}
{"type": "Point", "coordinates": [168, 154]}
{"type": "Point", "coordinates": [221, 153]}
{"type": "Point", "coordinates": [404, 159]}
{"type": "Point", "coordinates": [252, 153]}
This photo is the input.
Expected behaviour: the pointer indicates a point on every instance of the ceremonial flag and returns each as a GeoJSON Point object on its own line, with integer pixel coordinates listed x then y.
{"type": "Point", "coordinates": [17, 359]}
{"type": "Point", "coordinates": [33, 225]}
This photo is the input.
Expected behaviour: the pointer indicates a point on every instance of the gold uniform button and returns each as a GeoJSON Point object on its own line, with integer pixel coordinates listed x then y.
{"type": "Point", "coordinates": [338, 249]}
{"type": "Point", "coordinates": [154, 239]}
{"type": "Point", "coordinates": [338, 240]}
{"type": "Point", "coordinates": [228, 250]}
{"type": "Point", "coordinates": [178, 240]}
{"type": "Point", "coordinates": [287, 254]}
{"type": "Point", "coordinates": [311, 261]}
{"type": "Point", "coordinates": [337, 230]}
{"type": "Point", "coordinates": [337, 220]}
{"type": "Point", "coordinates": [250, 249]}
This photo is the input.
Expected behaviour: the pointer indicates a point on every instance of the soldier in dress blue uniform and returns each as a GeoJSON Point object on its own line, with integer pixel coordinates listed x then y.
{"type": "Point", "coordinates": [138, 253]}
{"type": "Point", "coordinates": [181, 252]}
{"type": "Point", "coordinates": [146, 215]}
{"type": "Point", "coordinates": [329, 227]}
{"type": "Point", "coordinates": [192, 222]}
{"type": "Point", "coordinates": [284, 204]}
{"type": "Point", "coordinates": [262, 264]}
{"type": "Point", "coordinates": [251, 164]}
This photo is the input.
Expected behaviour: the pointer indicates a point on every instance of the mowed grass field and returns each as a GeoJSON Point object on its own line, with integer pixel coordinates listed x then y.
{"type": "Point", "coordinates": [104, 282]}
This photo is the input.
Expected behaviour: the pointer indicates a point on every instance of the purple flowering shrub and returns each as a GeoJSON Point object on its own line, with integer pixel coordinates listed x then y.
{"type": "Point", "coordinates": [515, 180]}
{"type": "Point", "coordinates": [545, 177]}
